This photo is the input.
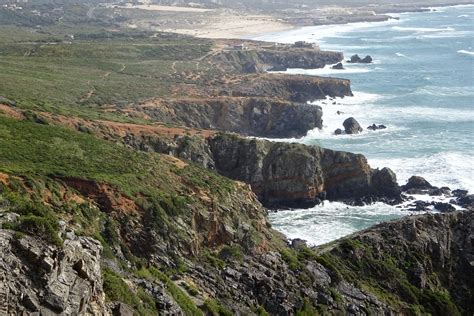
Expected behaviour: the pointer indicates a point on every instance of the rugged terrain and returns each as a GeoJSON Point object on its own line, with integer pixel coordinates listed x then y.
{"type": "Point", "coordinates": [121, 191]}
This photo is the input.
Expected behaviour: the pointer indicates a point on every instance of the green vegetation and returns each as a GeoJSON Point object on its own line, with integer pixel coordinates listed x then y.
{"type": "Point", "coordinates": [183, 300]}
{"type": "Point", "coordinates": [307, 309]}
{"type": "Point", "coordinates": [35, 218]}
{"type": "Point", "coordinates": [117, 290]}
{"type": "Point", "coordinates": [385, 277]}
{"type": "Point", "coordinates": [215, 308]}
{"type": "Point", "coordinates": [47, 70]}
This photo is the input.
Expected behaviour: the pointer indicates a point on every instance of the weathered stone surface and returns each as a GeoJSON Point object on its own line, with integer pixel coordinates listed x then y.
{"type": "Point", "coordinates": [54, 280]}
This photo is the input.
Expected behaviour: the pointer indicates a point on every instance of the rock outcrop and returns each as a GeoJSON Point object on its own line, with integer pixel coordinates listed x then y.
{"type": "Point", "coordinates": [338, 66]}
{"type": "Point", "coordinates": [36, 277]}
{"type": "Point", "coordinates": [375, 127]}
{"type": "Point", "coordinates": [421, 262]}
{"type": "Point", "coordinates": [351, 126]}
{"type": "Point", "coordinates": [356, 59]}
{"type": "Point", "coordinates": [293, 175]}
{"type": "Point", "coordinates": [261, 59]}
{"type": "Point", "coordinates": [248, 116]}
{"type": "Point", "coordinates": [257, 105]}
{"type": "Point", "coordinates": [296, 88]}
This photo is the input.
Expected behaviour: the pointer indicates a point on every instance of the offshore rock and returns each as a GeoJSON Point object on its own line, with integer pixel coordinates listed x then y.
{"type": "Point", "coordinates": [351, 126]}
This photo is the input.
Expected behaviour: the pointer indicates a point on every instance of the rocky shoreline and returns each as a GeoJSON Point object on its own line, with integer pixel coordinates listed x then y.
{"type": "Point", "coordinates": [166, 212]}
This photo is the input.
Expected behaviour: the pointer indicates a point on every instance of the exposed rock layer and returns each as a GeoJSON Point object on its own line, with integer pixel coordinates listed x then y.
{"type": "Point", "coordinates": [37, 277]}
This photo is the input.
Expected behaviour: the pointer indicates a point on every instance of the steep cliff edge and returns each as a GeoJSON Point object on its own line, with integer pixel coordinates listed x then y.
{"type": "Point", "coordinates": [258, 105]}
{"type": "Point", "coordinates": [254, 116]}
{"type": "Point", "coordinates": [262, 58]}
{"type": "Point", "coordinates": [296, 175]}
{"type": "Point", "coordinates": [420, 264]}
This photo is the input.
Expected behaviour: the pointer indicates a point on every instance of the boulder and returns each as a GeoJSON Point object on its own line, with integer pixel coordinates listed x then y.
{"type": "Point", "coordinates": [338, 131]}
{"type": "Point", "coordinates": [338, 66]}
{"type": "Point", "coordinates": [351, 126]}
{"type": "Point", "coordinates": [355, 59]}
{"type": "Point", "coordinates": [367, 60]}
{"type": "Point", "coordinates": [384, 182]}
{"type": "Point", "coordinates": [417, 182]}
{"type": "Point", "coordinates": [466, 201]}
{"type": "Point", "coordinates": [444, 207]}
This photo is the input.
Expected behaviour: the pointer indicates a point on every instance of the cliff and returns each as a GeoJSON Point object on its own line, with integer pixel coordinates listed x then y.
{"type": "Point", "coordinates": [258, 58]}
{"type": "Point", "coordinates": [239, 265]}
{"type": "Point", "coordinates": [254, 116]}
{"type": "Point", "coordinates": [295, 175]}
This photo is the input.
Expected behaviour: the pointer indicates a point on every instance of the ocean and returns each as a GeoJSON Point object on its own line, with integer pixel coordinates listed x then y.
{"type": "Point", "coordinates": [420, 85]}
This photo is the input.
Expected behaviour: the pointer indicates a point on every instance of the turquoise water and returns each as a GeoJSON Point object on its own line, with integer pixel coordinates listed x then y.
{"type": "Point", "coordinates": [421, 86]}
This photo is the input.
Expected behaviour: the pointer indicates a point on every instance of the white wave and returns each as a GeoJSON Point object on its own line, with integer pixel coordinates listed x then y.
{"type": "Point", "coordinates": [463, 16]}
{"type": "Point", "coordinates": [333, 220]}
{"type": "Point", "coordinates": [463, 51]}
{"type": "Point", "coordinates": [327, 70]}
{"type": "Point", "coordinates": [318, 33]}
{"type": "Point", "coordinates": [422, 29]}
{"type": "Point", "coordinates": [452, 169]}
{"type": "Point", "coordinates": [443, 91]}
{"type": "Point", "coordinates": [400, 55]}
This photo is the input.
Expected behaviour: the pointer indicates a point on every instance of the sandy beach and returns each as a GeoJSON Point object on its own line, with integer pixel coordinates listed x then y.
{"type": "Point", "coordinates": [235, 26]}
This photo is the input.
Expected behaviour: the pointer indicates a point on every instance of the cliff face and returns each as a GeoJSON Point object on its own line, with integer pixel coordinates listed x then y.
{"type": "Point", "coordinates": [273, 58]}
{"type": "Point", "coordinates": [256, 105]}
{"type": "Point", "coordinates": [248, 116]}
{"type": "Point", "coordinates": [419, 263]}
{"type": "Point", "coordinates": [288, 87]}
{"type": "Point", "coordinates": [294, 175]}
{"type": "Point", "coordinates": [282, 174]}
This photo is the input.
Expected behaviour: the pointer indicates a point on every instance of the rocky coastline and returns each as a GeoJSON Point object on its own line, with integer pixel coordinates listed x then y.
{"type": "Point", "coordinates": [165, 211]}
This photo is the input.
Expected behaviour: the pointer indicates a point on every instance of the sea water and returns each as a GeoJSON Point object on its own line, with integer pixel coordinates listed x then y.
{"type": "Point", "coordinates": [420, 85]}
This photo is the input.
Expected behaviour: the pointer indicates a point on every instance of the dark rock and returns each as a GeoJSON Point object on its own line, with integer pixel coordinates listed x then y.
{"type": "Point", "coordinates": [421, 206]}
{"type": "Point", "coordinates": [466, 201]}
{"type": "Point", "coordinates": [444, 207]}
{"type": "Point", "coordinates": [338, 131]}
{"type": "Point", "coordinates": [298, 243]}
{"type": "Point", "coordinates": [338, 66]}
{"type": "Point", "coordinates": [374, 127]}
{"type": "Point", "coordinates": [460, 193]}
{"type": "Point", "coordinates": [351, 126]}
{"type": "Point", "coordinates": [367, 60]}
{"type": "Point", "coordinates": [385, 183]}
{"type": "Point", "coordinates": [355, 59]}
{"type": "Point", "coordinates": [438, 192]}
{"type": "Point", "coordinates": [416, 182]}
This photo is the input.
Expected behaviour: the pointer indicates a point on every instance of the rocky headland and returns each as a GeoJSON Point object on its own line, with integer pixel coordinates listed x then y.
{"type": "Point", "coordinates": [122, 192]}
